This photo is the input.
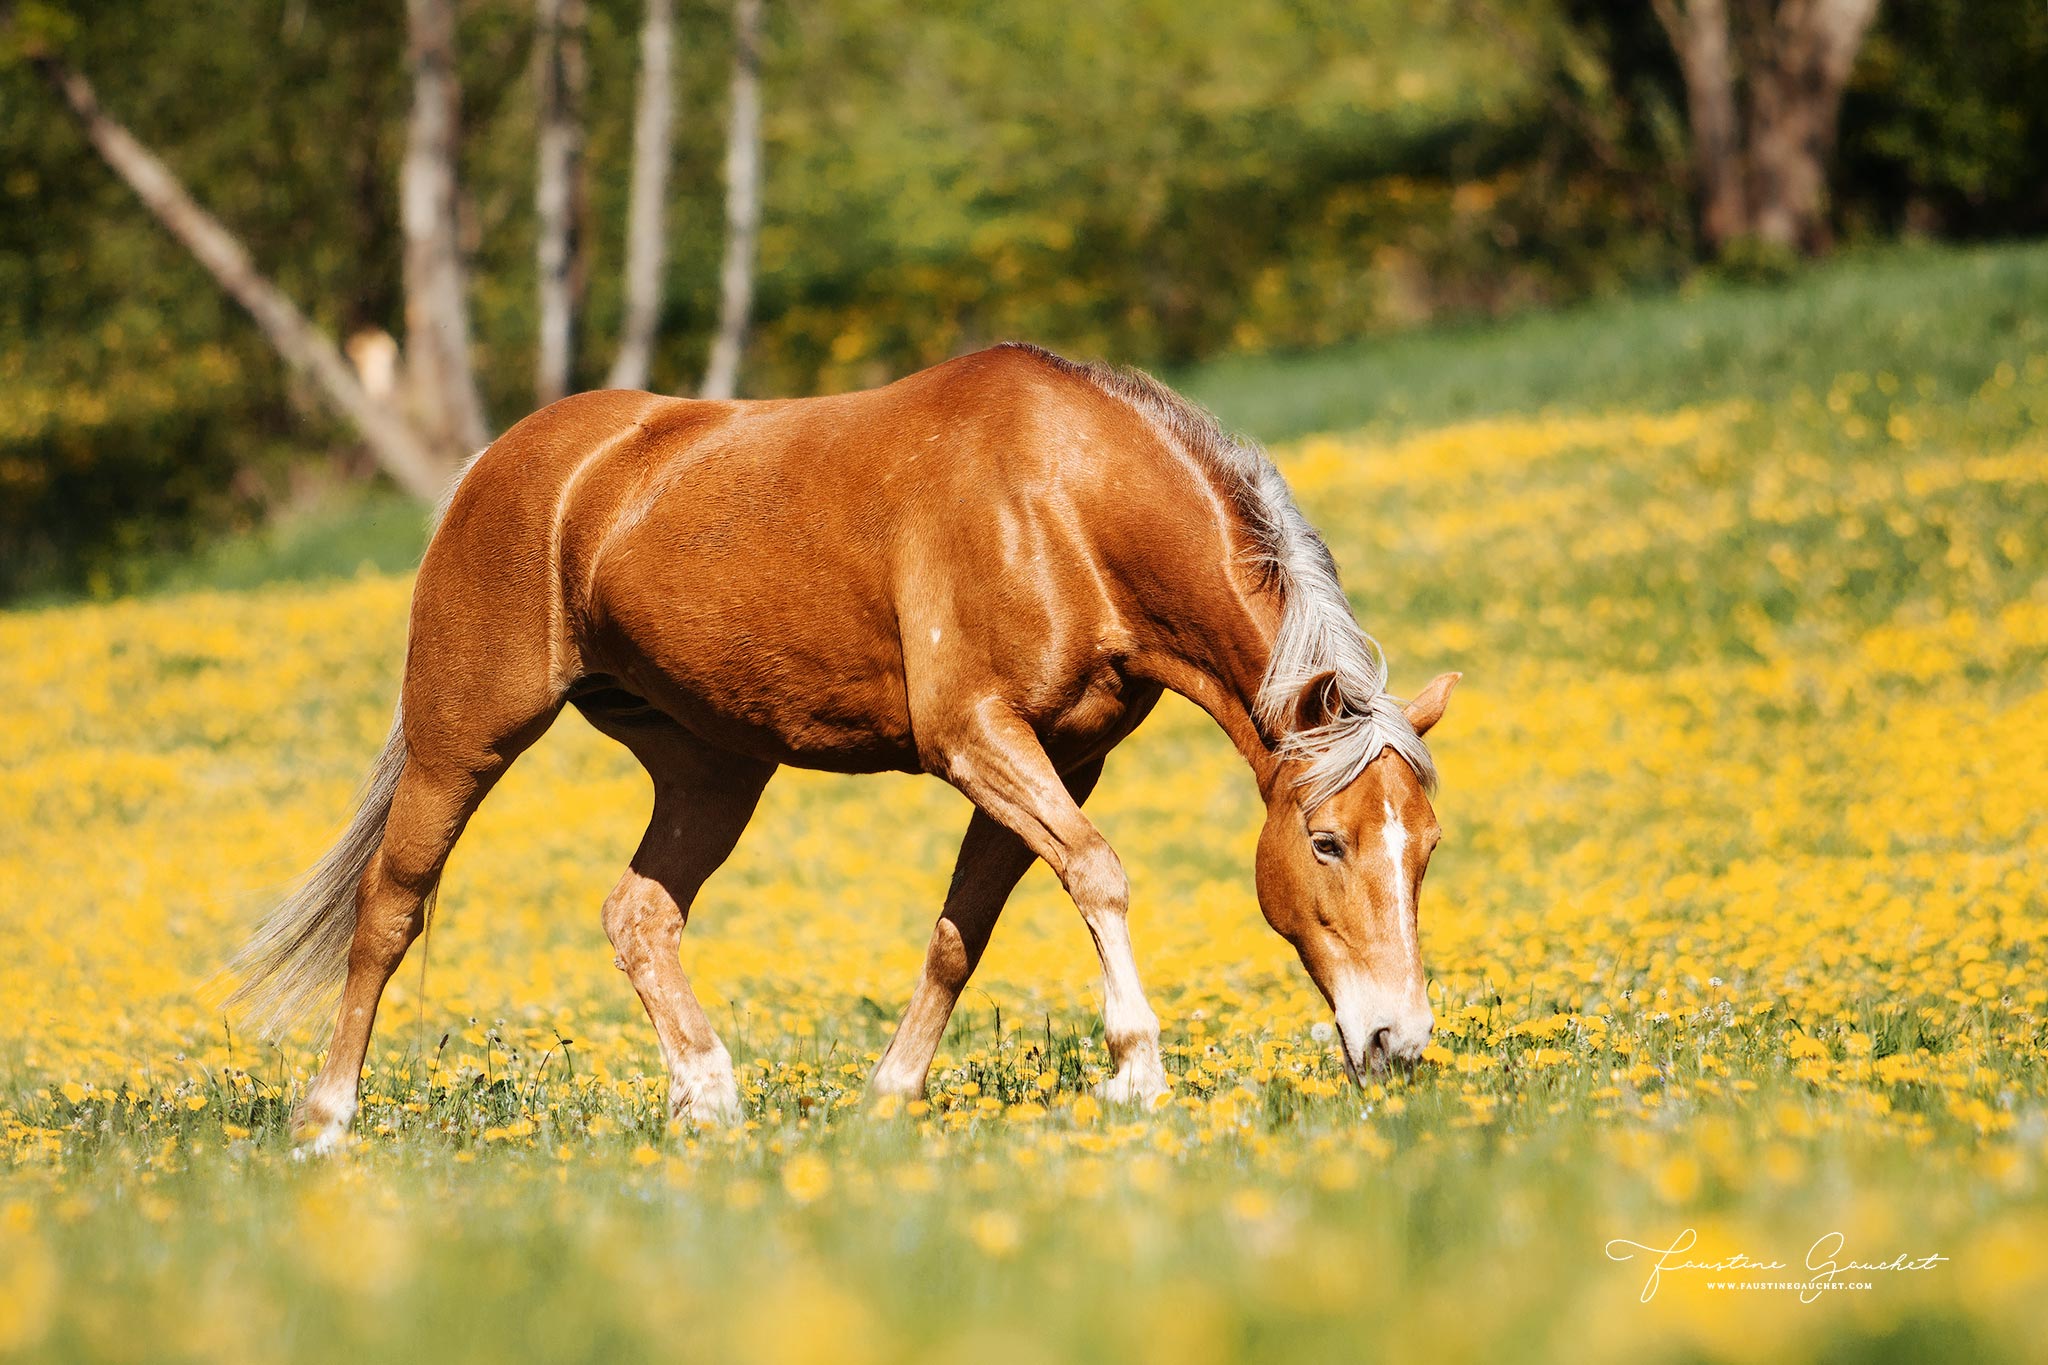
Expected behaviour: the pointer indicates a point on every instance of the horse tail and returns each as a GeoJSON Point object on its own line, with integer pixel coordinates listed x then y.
{"type": "Point", "coordinates": [297, 960]}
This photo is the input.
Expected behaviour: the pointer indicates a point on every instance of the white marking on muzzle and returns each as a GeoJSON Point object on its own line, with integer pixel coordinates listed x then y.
{"type": "Point", "coordinates": [1363, 1009]}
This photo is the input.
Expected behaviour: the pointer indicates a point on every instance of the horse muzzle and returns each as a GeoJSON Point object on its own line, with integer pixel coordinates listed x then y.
{"type": "Point", "coordinates": [1383, 1043]}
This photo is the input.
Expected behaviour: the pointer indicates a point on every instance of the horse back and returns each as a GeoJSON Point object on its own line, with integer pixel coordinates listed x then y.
{"type": "Point", "coordinates": [823, 581]}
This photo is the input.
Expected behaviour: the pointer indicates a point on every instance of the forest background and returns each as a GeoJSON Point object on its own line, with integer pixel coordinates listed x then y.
{"type": "Point", "coordinates": [1155, 183]}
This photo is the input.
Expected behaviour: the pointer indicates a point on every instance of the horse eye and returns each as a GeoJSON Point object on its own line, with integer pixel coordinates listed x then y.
{"type": "Point", "coordinates": [1328, 847]}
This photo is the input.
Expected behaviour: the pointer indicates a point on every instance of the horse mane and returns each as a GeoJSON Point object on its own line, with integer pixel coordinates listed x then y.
{"type": "Point", "coordinates": [1318, 634]}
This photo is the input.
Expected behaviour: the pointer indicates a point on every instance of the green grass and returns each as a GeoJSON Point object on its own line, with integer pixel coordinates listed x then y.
{"type": "Point", "coordinates": [1944, 308]}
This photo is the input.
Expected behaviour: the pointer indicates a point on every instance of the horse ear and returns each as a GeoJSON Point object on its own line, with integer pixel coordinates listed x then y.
{"type": "Point", "coordinates": [1428, 707]}
{"type": "Point", "coordinates": [1317, 704]}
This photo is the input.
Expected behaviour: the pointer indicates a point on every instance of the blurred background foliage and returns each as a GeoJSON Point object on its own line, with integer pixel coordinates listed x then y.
{"type": "Point", "coordinates": [1149, 181]}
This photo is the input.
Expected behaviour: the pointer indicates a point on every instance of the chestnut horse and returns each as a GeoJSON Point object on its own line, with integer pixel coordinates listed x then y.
{"type": "Point", "coordinates": [987, 571]}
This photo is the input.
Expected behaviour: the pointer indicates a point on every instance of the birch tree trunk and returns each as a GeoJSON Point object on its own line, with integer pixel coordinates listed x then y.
{"type": "Point", "coordinates": [646, 198]}
{"type": "Point", "coordinates": [559, 78]}
{"type": "Point", "coordinates": [446, 404]}
{"type": "Point", "coordinates": [411, 462]}
{"type": "Point", "coordinates": [742, 204]}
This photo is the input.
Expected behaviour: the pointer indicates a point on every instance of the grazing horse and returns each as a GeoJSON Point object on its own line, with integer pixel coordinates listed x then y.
{"type": "Point", "coordinates": [987, 571]}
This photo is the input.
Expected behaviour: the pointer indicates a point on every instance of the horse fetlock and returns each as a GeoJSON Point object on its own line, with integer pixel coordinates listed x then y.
{"type": "Point", "coordinates": [890, 1080]}
{"type": "Point", "coordinates": [320, 1123]}
{"type": "Point", "coordinates": [702, 1090]}
{"type": "Point", "coordinates": [1134, 1047]}
{"type": "Point", "coordinates": [1133, 1038]}
{"type": "Point", "coordinates": [896, 1087]}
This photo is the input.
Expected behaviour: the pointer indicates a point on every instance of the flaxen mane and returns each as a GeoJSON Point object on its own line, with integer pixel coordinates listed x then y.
{"type": "Point", "coordinates": [1318, 633]}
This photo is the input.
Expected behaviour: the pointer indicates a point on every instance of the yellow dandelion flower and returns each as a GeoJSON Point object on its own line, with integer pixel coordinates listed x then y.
{"type": "Point", "coordinates": [996, 1233]}
{"type": "Point", "coordinates": [806, 1178]}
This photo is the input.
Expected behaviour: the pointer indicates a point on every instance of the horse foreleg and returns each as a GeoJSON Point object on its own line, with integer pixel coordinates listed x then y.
{"type": "Point", "coordinates": [998, 762]}
{"type": "Point", "coordinates": [992, 859]}
{"type": "Point", "coordinates": [702, 802]}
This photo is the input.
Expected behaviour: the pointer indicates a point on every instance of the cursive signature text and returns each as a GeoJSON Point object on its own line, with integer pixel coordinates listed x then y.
{"type": "Point", "coordinates": [1825, 1264]}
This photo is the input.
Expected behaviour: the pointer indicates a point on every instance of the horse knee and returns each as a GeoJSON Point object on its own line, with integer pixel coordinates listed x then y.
{"type": "Point", "coordinates": [635, 906]}
{"type": "Point", "coordinates": [948, 961]}
{"type": "Point", "coordinates": [1094, 878]}
{"type": "Point", "coordinates": [621, 915]}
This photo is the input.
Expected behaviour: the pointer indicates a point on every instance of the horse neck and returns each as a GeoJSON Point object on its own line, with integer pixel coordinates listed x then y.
{"type": "Point", "coordinates": [1216, 657]}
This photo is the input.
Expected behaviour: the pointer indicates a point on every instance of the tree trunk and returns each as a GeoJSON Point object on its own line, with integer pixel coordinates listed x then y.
{"type": "Point", "coordinates": [646, 198]}
{"type": "Point", "coordinates": [558, 72]}
{"type": "Point", "coordinates": [1699, 36]}
{"type": "Point", "coordinates": [1795, 57]}
{"type": "Point", "coordinates": [443, 385]}
{"type": "Point", "coordinates": [411, 462]}
{"type": "Point", "coordinates": [1795, 101]}
{"type": "Point", "coordinates": [742, 204]}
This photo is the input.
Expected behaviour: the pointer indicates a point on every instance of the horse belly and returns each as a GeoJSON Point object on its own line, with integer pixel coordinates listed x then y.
{"type": "Point", "coordinates": [756, 663]}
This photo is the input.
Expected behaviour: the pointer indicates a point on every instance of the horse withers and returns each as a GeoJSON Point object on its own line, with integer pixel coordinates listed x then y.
{"type": "Point", "coordinates": [987, 571]}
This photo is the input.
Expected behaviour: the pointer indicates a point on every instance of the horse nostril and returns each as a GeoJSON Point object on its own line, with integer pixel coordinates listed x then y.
{"type": "Point", "coordinates": [1380, 1050]}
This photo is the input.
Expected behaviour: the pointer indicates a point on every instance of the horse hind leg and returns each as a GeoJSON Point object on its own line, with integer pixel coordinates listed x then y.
{"type": "Point", "coordinates": [703, 799]}
{"type": "Point", "coordinates": [428, 811]}
{"type": "Point", "coordinates": [453, 756]}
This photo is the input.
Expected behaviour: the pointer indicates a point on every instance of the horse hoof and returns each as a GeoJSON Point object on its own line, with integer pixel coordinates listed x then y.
{"type": "Point", "coordinates": [320, 1129]}
{"type": "Point", "coordinates": [703, 1092]}
{"type": "Point", "coordinates": [1126, 1088]}
{"type": "Point", "coordinates": [718, 1107]}
{"type": "Point", "coordinates": [707, 1115]}
{"type": "Point", "coordinates": [329, 1140]}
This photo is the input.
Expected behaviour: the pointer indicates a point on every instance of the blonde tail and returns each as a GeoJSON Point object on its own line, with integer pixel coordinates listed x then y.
{"type": "Point", "coordinates": [297, 960]}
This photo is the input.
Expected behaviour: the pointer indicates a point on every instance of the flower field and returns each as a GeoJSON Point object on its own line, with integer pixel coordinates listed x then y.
{"type": "Point", "coordinates": [1740, 925]}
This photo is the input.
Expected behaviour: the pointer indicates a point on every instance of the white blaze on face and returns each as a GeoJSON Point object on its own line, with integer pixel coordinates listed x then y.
{"type": "Point", "coordinates": [1394, 836]}
{"type": "Point", "coordinates": [1363, 1004]}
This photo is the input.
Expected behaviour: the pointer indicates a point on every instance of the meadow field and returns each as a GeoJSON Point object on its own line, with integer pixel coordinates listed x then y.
{"type": "Point", "coordinates": [1740, 925]}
